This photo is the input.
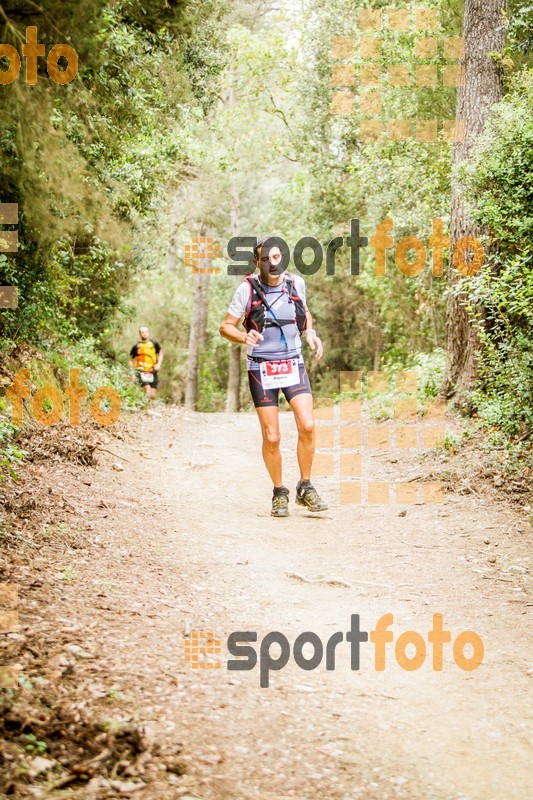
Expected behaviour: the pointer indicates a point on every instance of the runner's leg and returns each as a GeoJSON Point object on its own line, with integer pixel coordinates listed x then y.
{"type": "Point", "coordinates": [302, 407]}
{"type": "Point", "coordinates": [269, 420]}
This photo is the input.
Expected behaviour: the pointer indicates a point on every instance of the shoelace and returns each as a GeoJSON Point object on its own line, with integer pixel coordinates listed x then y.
{"type": "Point", "coordinates": [279, 500]}
{"type": "Point", "coordinates": [311, 495]}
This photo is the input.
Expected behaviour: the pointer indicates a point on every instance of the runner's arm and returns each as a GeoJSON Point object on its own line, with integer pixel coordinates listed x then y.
{"type": "Point", "coordinates": [133, 353]}
{"type": "Point", "coordinates": [229, 331]}
{"type": "Point", "coordinates": [159, 353]}
{"type": "Point", "coordinates": [314, 342]}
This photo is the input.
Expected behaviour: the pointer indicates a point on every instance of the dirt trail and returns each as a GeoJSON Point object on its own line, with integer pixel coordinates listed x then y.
{"type": "Point", "coordinates": [183, 541]}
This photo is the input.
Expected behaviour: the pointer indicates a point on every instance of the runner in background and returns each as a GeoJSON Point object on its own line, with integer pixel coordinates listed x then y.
{"type": "Point", "coordinates": [146, 357]}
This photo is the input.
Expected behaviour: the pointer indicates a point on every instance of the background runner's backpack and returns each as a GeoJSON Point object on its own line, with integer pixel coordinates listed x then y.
{"type": "Point", "coordinates": [255, 317]}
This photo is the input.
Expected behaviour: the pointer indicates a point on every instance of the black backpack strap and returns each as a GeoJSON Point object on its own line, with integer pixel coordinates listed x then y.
{"type": "Point", "coordinates": [255, 316]}
{"type": "Point", "coordinates": [301, 317]}
{"type": "Point", "coordinates": [254, 280]}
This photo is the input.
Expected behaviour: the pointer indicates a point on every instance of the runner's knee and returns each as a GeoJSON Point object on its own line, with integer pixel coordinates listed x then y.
{"type": "Point", "coordinates": [306, 427]}
{"type": "Point", "coordinates": [271, 437]}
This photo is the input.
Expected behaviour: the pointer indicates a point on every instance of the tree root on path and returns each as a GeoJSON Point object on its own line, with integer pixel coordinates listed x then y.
{"type": "Point", "coordinates": [334, 581]}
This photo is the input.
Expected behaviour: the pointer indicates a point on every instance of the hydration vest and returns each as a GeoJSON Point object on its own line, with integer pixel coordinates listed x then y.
{"type": "Point", "coordinates": [256, 315]}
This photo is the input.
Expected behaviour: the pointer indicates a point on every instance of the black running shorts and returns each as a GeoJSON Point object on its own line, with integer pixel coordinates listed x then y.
{"type": "Point", "coordinates": [153, 384]}
{"type": "Point", "coordinates": [270, 397]}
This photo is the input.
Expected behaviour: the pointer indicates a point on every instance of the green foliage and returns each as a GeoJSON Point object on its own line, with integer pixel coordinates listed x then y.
{"type": "Point", "coordinates": [520, 28]}
{"type": "Point", "coordinates": [192, 115]}
{"type": "Point", "coordinates": [451, 441]}
{"type": "Point", "coordinates": [33, 744]}
{"type": "Point", "coordinates": [213, 376]}
{"type": "Point", "coordinates": [10, 454]}
{"type": "Point", "coordinates": [163, 303]}
{"type": "Point", "coordinates": [98, 369]}
{"type": "Point", "coordinates": [498, 185]}
{"type": "Point", "coordinates": [366, 321]}
{"type": "Point", "coordinates": [497, 178]}
{"type": "Point", "coordinates": [504, 398]}
{"type": "Point", "coordinates": [88, 162]}
{"type": "Point", "coordinates": [518, 49]}
{"type": "Point", "coordinates": [429, 369]}
{"type": "Point", "coordinates": [69, 291]}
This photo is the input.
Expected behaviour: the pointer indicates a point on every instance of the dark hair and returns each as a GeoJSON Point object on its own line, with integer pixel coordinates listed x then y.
{"type": "Point", "coordinates": [260, 242]}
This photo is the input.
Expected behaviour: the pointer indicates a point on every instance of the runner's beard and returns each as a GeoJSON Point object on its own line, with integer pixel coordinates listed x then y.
{"type": "Point", "coordinates": [271, 271]}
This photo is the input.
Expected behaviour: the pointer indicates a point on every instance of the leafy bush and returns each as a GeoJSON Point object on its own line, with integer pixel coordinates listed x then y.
{"type": "Point", "coordinates": [429, 369]}
{"type": "Point", "coordinates": [498, 186]}
{"type": "Point", "coordinates": [10, 455]}
{"type": "Point", "coordinates": [98, 370]}
{"type": "Point", "coordinates": [505, 394]}
{"type": "Point", "coordinates": [53, 367]}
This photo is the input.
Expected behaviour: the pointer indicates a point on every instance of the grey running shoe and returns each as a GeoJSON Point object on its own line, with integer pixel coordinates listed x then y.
{"type": "Point", "coordinates": [280, 502]}
{"type": "Point", "coordinates": [307, 495]}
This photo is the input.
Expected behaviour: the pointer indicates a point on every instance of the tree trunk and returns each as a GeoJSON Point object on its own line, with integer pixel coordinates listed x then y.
{"type": "Point", "coordinates": [197, 331]}
{"type": "Point", "coordinates": [483, 32]}
{"type": "Point", "coordinates": [233, 396]}
{"type": "Point", "coordinates": [172, 250]}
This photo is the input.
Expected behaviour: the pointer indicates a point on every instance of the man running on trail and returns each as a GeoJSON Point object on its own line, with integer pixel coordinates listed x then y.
{"type": "Point", "coordinates": [146, 358]}
{"type": "Point", "coordinates": [275, 314]}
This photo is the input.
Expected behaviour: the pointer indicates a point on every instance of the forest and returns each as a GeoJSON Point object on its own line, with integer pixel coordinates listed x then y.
{"type": "Point", "coordinates": [212, 120]}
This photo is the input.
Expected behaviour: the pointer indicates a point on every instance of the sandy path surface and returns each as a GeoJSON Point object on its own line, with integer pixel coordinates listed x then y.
{"type": "Point", "coordinates": [183, 541]}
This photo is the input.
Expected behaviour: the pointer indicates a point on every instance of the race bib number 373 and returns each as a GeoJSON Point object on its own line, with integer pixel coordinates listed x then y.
{"type": "Point", "coordinates": [277, 374]}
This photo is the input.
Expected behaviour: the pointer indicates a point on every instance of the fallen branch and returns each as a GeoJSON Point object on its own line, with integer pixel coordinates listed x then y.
{"type": "Point", "coordinates": [320, 579]}
{"type": "Point", "coordinates": [335, 581]}
{"type": "Point", "coordinates": [113, 454]}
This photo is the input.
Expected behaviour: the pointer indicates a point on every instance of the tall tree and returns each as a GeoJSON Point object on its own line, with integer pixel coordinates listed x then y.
{"type": "Point", "coordinates": [483, 34]}
{"type": "Point", "coordinates": [234, 371]}
{"type": "Point", "coordinates": [198, 325]}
